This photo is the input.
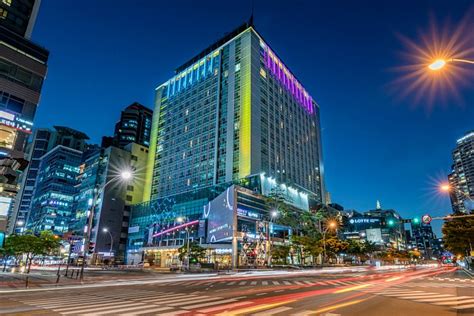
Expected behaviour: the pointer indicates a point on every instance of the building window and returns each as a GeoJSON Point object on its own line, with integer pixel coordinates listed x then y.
{"type": "Point", "coordinates": [129, 198]}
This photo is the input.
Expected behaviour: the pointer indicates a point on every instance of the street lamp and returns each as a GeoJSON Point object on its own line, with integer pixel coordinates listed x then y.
{"type": "Point", "coordinates": [124, 175]}
{"type": "Point", "coordinates": [182, 220]}
{"type": "Point", "coordinates": [439, 63]}
{"type": "Point", "coordinates": [273, 215]}
{"type": "Point", "coordinates": [447, 188]}
{"type": "Point", "coordinates": [330, 225]}
{"type": "Point", "coordinates": [105, 230]}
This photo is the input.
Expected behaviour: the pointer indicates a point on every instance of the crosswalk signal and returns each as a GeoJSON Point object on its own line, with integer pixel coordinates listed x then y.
{"type": "Point", "coordinates": [91, 247]}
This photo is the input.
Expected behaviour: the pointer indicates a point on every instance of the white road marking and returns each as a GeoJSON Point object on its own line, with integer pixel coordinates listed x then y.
{"type": "Point", "coordinates": [273, 311]}
{"type": "Point", "coordinates": [198, 299]}
{"type": "Point", "coordinates": [455, 302]}
{"type": "Point", "coordinates": [209, 304]}
{"type": "Point", "coordinates": [442, 299]}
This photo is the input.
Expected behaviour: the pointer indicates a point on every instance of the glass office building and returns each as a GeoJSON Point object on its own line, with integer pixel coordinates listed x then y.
{"type": "Point", "coordinates": [52, 205]}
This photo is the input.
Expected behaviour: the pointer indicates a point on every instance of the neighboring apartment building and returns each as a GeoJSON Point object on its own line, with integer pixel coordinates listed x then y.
{"type": "Point", "coordinates": [100, 174]}
{"type": "Point", "coordinates": [44, 140]}
{"type": "Point", "coordinates": [23, 66]}
{"type": "Point", "coordinates": [461, 178]}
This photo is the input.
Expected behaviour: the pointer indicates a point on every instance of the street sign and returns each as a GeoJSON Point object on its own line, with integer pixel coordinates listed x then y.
{"type": "Point", "coordinates": [426, 219]}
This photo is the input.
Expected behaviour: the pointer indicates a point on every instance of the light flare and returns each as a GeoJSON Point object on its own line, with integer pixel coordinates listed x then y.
{"type": "Point", "coordinates": [431, 75]}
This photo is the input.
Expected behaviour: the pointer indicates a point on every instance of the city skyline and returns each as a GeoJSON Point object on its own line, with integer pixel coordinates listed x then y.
{"type": "Point", "coordinates": [388, 153]}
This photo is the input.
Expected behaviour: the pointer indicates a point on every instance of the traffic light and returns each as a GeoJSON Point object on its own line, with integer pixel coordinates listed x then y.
{"type": "Point", "coordinates": [91, 247]}
{"type": "Point", "coordinates": [391, 222]}
{"type": "Point", "coordinates": [415, 220]}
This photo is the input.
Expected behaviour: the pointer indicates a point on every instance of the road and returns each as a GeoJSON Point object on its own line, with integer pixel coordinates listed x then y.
{"type": "Point", "coordinates": [428, 291]}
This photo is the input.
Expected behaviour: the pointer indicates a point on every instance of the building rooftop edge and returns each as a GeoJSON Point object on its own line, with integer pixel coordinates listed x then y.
{"type": "Point", "coordinates": [222, 42]}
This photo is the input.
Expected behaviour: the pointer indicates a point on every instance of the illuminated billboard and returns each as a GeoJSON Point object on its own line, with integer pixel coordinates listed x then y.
{"type": "Point", "coordinates": [374, 235]}
{"type": "Point", "coordinates": [8, 119]}
{"type": "Point", "coordinates": [220, 214]}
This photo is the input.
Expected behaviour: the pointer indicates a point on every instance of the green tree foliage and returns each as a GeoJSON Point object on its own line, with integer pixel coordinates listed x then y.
{"type": "Point", "coordinates": [307, 246]}
{"type": "Point", "coordinates": [458, 234]}
{"type": "Point", "coordinates": [280, 253]}
{"type": "Point", "coordinates": [32, 246]}
{"type": "Point", "coordinates": [196, 252]}
{"type": "Point", "coordinates": [335, 246]}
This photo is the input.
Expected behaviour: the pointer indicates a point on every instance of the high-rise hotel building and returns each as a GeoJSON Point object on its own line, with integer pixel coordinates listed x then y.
{"type": "Point", "coordinates": [233, 111]}
{"type": "Point", "coordinates": [232, 126]}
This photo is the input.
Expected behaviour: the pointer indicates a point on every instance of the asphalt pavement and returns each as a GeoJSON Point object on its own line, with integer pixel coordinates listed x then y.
{"type": "Point", "coordinates": [427, 291]}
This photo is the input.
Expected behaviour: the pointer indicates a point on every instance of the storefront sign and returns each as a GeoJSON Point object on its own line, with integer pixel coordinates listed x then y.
{"type": "Point", "coordinates": [15, 122]}
{"type": "Point", "coordinates": [364, 220]}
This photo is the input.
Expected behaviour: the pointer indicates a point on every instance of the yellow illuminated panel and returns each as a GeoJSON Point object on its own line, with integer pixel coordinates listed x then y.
{"type": "Point", "coordinates": [245, 110]}
{"type": "Point", "coordinates": [152, 152]}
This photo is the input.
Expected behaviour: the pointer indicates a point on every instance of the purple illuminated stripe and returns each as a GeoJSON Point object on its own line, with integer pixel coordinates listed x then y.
{"type": "Point", "coordinates": [176, 228]}
{"type": "Point", "coordinates": [279, 71]}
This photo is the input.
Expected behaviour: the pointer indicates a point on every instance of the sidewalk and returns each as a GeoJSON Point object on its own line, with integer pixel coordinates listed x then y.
{"type": "Point", "coordinates": [48, 278]}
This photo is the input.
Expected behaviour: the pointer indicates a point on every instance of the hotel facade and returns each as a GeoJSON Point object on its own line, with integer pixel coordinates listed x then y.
{"type": "Point", "coordinates": [232, 119]}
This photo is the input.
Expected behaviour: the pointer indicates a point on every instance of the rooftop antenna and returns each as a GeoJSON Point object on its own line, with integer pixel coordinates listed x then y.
{"type": "Point", "coordinates": [250, 22]}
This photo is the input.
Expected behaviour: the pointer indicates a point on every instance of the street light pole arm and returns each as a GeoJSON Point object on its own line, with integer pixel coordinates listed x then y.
{"type": "Point", "coordinates": [467, 61]}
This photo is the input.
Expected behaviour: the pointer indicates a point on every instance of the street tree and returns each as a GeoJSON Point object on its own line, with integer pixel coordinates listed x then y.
{"type": "Point", "coordinates": [33, 246]}
{"type": "Point", "coordinates": [280, 253]}
{"type": "Point", "coordinates": [196, 252]}
{"type": "Point", "coordinates": [458, 234]}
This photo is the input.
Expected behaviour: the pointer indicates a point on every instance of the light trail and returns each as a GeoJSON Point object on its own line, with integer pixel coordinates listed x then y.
{"type": "Point", "coordinates": [333, 307]}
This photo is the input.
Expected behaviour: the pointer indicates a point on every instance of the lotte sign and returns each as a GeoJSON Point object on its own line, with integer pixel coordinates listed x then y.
{"type": "Point", "coordinates": [426, 219]}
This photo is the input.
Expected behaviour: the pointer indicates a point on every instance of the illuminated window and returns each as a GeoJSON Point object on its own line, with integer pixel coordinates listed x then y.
{"type": "Point", "coordinates": [7, 137]}
{"type": "Point", "coordinates": [3, 13]}
{"type": "Point", "coordinates": [263, 73]}
{"type": "Point", "coordinates": [7, 2]}
{"type": "Point", "coordinates": [237, 67]}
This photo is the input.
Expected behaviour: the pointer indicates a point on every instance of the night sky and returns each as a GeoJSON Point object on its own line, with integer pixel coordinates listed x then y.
{"type": "Point", "coordinates": [377, 145]}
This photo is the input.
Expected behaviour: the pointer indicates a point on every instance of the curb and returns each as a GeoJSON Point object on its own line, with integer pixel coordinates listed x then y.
{"type": "Point", "coordinates": [470, 273]}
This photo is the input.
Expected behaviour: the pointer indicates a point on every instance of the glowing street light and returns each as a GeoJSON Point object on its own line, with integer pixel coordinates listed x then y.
{"type": "Point", "coordinates": [126, 175]}
{"type": "Point", "coordinates": [439, 63]}
{"type": "Point", "coordinates": [274, 213]}
{"type": "Point", "coordinates": [331, 224]}
{"type": "Point", "coordinates": [445, 187]}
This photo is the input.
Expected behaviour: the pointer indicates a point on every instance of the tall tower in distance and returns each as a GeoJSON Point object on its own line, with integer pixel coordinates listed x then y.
{"type": "Point", "coordinates": [461, 178]}
{"type": "Point", "coordinates": [134, 126]}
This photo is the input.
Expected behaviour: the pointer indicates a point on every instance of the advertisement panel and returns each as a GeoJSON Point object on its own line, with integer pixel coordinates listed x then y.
{"type": "Point", "coordinates": [374, 235]}
{"type": "Point", "coordinates": [4, 205]}
{"type": "Point", "coordinates": [219, 214]}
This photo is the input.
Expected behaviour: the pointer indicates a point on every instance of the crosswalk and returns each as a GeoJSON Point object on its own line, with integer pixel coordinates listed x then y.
{"type": "Point", "coordinates": [447, 300]}
{"type": "Point", "coordinates": [143, 302]}
{"type": "Point", "coordinates": [133, 302]}
{"type": "Point", "coordinates": [454, 280]}
{"type": "Point", "coordinates": [439, 285]}
{"type": "Point", "coordinates": [130, 303]}
{"type": "Point", "coordinates": [264, 283]}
